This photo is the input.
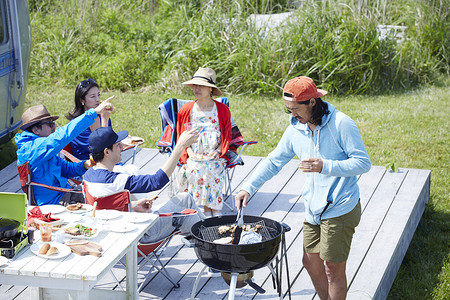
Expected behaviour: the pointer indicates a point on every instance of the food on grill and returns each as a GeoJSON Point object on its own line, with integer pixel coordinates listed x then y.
{"type": "Point", "coordinates": [52, 251]}
{"type": "Point", "coordinates": [230, 228]}
{"type": "Point", "coordinates": [223, 241]}
{"type": "Point", "coordinates": [44, 248]}
{"type": "Point", "coordinates": [73, 207]}
{"type": "Point", "coordinates": [240, 258]}
{"type": "Point", "coordinates": [256, 228]}
{"type": "Point", "coordinates": [224, 228]}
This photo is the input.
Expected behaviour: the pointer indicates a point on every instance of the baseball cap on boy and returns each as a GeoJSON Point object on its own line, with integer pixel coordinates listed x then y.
{"type": "Point", "coordinates": [104, 137]}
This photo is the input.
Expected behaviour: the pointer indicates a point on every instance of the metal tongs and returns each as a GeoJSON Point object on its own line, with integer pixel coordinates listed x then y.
{"type": "Point", "coordinates": [238, 226]}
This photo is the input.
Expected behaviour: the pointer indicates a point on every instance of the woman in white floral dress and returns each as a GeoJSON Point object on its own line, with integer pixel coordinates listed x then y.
{"type": "Point", "coordinates": [204, 163]}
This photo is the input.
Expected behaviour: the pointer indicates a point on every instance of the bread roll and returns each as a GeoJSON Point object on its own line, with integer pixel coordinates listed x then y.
{"type": "Point", "coordinates": [52, 251]}
{"type": "Point", "coordinates": [44, 248]}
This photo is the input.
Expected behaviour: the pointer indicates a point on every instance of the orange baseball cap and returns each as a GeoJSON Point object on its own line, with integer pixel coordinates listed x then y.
{"type": "Point", "coordinates": [301, 89]}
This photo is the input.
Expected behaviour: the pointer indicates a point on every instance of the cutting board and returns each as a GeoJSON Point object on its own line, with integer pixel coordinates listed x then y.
{"type": "Point", "coordinates": [84, 247]}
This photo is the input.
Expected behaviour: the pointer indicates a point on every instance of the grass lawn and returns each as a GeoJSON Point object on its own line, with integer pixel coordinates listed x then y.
{"type": "Point", "coordinates": [410, 130]}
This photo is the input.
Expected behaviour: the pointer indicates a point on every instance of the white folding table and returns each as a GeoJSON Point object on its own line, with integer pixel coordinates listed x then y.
{"type": "Point", "coordinates": [74, 276]}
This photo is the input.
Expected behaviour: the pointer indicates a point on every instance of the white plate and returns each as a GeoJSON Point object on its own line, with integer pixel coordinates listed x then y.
{"type": "Point", "coordinates": [82, 236]}
{"type": "Point", "coordinates": [126, 227]}
{"type": "Point", "coordinates": [63, 250]}
{"type": "Point", "coordinates": [3, 261]}
{"type": "Point", "coordinates": [54, 209]}
{"type": "Point", "coordinates": [83, 209]}
{"type": "Point", "coordinates": [107, 214]}
{"type": "Point", "coordinates": [72, 218]}
{"type": "Point", "coordinates": [129, 140]}
{"type": "Point", "coordinates": [138, 217]}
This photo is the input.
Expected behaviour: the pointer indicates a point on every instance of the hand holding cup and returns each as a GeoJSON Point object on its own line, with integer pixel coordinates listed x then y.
{"type": "Point", "coordinates": [312, 164]}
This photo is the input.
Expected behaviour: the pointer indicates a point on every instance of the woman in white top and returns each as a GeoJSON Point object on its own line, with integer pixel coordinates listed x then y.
{"type": "Point", "coordinates": [204, 162]}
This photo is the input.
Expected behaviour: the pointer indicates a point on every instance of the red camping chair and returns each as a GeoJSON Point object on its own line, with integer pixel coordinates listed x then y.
{"type": "Point", "coordinates": [168, 111]}
{"type": "Point", "coordinates": [27, 182]}
{"type": "Point", "coordinates": [121, 201]}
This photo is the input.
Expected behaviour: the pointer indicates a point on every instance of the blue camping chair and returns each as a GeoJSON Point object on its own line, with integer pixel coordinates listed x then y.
{"type": "Point", "coordinates": [168, 111]}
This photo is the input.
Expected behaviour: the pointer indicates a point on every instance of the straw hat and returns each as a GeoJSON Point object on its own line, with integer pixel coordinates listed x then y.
{"type": "Point", "coordinates": [34, 115]}
{"type": "Point", "coordinates": [205, 77]}
{"type": "Point", "coordinates": [301, 89]}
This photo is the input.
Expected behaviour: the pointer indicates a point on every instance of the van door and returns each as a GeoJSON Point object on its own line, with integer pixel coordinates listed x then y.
{"type": "Point", "coordinates": [15, 46]}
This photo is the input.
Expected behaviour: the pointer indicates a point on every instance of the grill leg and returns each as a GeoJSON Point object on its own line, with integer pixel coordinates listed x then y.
{"type": "Point", "coordinates": [197, 280]}
{"type": "Point", "coordinates": [233, 282]}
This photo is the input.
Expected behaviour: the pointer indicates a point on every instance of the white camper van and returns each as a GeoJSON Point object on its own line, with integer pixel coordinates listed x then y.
{"type": "Point", "coordinates": [15, 45]}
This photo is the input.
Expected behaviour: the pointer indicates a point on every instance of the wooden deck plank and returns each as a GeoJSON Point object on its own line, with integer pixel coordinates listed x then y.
{"type": "Point", "coordinates": [14, 291]}
{"type": "Point", "coordinates": [393, 238]}
{"type": "Point", "coordinates": [8, 173]}
{"type": "Point", "coordinates": [9, 179]}
{"type": "Point", "coordinates": [392, 205]}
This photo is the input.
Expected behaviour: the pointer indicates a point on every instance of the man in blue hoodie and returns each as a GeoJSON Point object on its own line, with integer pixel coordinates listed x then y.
{"type": "Point", "coordinates": [40, 143]}
{"type": "Point", "coordinates": [332, 154]}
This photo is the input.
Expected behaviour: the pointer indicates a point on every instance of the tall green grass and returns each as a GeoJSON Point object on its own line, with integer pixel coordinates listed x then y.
{"type": "Point", "coordinates": [128, 45]}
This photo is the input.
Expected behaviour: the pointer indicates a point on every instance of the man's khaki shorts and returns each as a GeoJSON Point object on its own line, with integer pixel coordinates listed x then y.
{"type": "Point", "coordinates": [333, 237]}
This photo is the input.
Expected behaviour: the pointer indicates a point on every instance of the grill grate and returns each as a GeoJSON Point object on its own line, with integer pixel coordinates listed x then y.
{"type": "Point", "coordinates": [211, 234]}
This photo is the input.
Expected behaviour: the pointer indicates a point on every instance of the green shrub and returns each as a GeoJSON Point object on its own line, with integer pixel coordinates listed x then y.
{"type": "Point", "coordinates": [128, 45]}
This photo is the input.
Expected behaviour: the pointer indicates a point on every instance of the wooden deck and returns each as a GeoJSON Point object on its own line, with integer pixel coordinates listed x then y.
{"type": "Point", "coordinates": [392, 205]}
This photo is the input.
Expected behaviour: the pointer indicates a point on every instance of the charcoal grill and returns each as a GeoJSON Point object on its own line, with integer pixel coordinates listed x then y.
{"type": "Point", "coordinates": [239, 260]}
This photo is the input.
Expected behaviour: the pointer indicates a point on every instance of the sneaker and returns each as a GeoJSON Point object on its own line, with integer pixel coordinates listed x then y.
{"type": "Point", "coordinates": [214, 272]}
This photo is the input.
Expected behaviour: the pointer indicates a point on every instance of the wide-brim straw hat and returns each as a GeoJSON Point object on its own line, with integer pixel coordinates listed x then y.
{"type": "Point", "coordinates": [205, 77]}
{"type": "Point", "coordinates": [34, 115]}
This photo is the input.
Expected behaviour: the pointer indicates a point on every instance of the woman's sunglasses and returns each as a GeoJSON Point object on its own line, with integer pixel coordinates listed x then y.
{"type": "Point", "coordinates": [87, 82]}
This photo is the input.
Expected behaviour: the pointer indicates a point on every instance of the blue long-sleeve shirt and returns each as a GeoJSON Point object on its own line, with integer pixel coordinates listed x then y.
{"type": "Point", "coordinates": [339, 144]}
{"type": "Point", "coordinates": [45, 164]}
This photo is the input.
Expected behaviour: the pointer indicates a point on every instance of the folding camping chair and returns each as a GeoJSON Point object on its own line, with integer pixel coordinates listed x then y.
{"type": "Point", "coordinates": [27, 182]}
{"type": "Point", "coordinates": [168, 111]}
{"type": "Point", "coordinates": [121, 201]}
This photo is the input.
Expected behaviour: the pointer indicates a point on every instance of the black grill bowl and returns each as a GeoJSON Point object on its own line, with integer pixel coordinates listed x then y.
{"type": "Point", "coordinates": [236, 258]}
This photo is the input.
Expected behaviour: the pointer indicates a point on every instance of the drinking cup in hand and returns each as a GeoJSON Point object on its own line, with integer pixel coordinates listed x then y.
{"type": "Point", "coordinates": [305, 166]}
{"type": "Point", "coordinates": [190, 125]}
